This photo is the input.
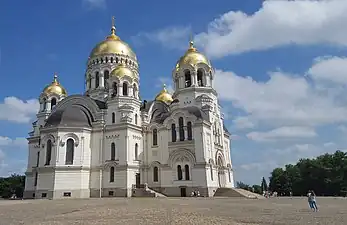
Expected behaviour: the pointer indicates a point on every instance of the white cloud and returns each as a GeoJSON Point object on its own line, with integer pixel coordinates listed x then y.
{"type": "Point", "coordinates": [243, 123]}
{"type": "Point", "coordinates": [266, 161]}
{"type": "Point", "coordinates": [174, 37]}
{"type": "Point", "coordinates": [94, 4]}
{"type": "Point", "coordinates": [17, 142]}
{"type": "Point", "coordinates": [19, 111]}
{"type": "Point", "coordinates": [283, 133]}
{"type": "Point", "coordinates": [282, 100]}
{"type": "Point", "coordinates": [12, 163]}
{"type": "Point", "coordinates": [329, 144]}
{"type": "Point", "coordinates": [331, 69]}
{"type": "Point", "coordinates": [276, 23]}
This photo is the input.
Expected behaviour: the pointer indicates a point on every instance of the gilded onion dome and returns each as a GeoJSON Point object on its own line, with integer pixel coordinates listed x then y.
{"type": "Point", "coordinates": [121, 71]}
{"type": "Point", "coordinates": [112, 45]}
{"type": "Point", "coordinates": [164, 96]}
{"type": "Point", "coordinates": [192, 57]}
{"type": "Point", "coordinates": [54, 88]}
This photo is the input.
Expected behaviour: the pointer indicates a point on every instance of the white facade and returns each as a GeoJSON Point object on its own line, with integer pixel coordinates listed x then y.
{"type": "Point", "coordinates": [107, 142]}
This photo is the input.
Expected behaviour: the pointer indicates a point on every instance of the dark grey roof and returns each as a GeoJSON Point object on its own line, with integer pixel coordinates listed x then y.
{"type": "Point", "coordinates": [160, 112]}
{"type": "Point", "coordinates": [196, 111]}
{"type": "Point", "coordinates": [101, 104]}
{"type": "Point", "coordinates": [73, 116]}
{"type": "Point", "coordinates": [146, 105]}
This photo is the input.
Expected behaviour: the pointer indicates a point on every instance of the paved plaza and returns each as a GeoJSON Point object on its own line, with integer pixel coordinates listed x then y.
{"type": "Point", "coordinates": [183, 211]}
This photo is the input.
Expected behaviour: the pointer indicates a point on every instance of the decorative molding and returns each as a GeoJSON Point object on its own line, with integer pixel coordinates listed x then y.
{"type": "Point", "coordinates": [181, 155]}
{"type": "Point", "coordinates": [72, 136]}
{"type": "Point", "coordinates": [112, 136]}
{"type": "Point", "coordinates": [137, 137]}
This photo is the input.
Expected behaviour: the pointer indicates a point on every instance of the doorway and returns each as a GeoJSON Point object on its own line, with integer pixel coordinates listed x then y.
{"type": "Point", "coordinates": [138, 180]}
{"type": "Point", "coordinates": [183, 192]}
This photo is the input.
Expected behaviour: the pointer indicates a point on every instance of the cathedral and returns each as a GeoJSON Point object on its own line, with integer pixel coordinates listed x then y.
{"type": "Point", "coordinates": [108, 142]}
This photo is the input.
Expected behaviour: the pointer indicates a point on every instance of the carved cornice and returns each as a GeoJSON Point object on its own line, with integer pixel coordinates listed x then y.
{"type": "Point", "coordinates": [112, 136]}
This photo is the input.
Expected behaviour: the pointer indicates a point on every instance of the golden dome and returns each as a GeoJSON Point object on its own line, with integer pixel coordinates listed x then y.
{"type": "Point", "coordinates": [192, 57]}
{"type": "Point", "coordinates": [121, 71]}
{"type": "Point", "coordinates": [164, 96]}
{"type": "Point", "coordinates": [112, 45]}
{"type": "Point", "coordinates": [54, 88]}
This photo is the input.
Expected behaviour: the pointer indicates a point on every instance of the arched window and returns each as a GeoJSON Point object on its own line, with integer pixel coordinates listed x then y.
{"type": "Point", "coordinates": [113, 151]}
{"type": "Point", "coordinates": [89, 81]}
{"type": "Point", "coordinates": [113, 117]}
{"type": "Point", "coordinates": [186, 170]}
{"type": "Point", "coordinates": [200, 77]}
{"type": "Point", "coordinates": [173, 132]}
{"type": "Point", "coordinates": [136, 151]}
{"type": "Point", "coordinates": [114, 89]}
{"type": "Point", "coordinates": [111, 59]}
{"type": "Point", "coordinates": [106, 77]}
{"type": "Point", "coordinates": [181, 129]}
{"type": "Point", "coordinates": [135, 119]}
{"type": "Point", "coordinates": [155, 174]}
{"type": "Point", "coordinates": [125, 89]}
{"type": "Point", "coordinates": [44, 104]}
{"type": "Point", "coordinates": [97, 79]}
{"type": "Point", "coordinates": [48, 152]}
{"type": "Point", "coordinates": [229, 175]}
{"type": "Point", "coordinates": [189, 131]}
{"type": "Point", "coordinates": [134, 90]}
{"type": "Point", "coordinates": [187, 78]}
{"type": "Point", "coordinates": [211, 171]}
{"type": "Point", "coordinates": [53, 103]}
{"type": "Point", "coordinates": [155, 137]}
{"type": "Point", "coordinates": [70, 148]}
{"type": "Point", "coordinates": [106, 60]}
{"type": "Point", "coordinates": [111, 174]}
{"type": "Point", "coordinates": [117, 60]}
{"type": "Point", "coordinates": [179, 172]}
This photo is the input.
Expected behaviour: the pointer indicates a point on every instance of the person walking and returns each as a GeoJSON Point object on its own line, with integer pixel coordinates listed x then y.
{"type": "Point", "coordinates": [314, 202]}
{"type": "Point", "coordinates": [309, 199]}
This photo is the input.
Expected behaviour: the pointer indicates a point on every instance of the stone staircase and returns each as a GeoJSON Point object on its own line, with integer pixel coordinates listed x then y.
{"type": "Point", "coordinates": [236, 192]}
{"type": "Point", "coordinates": [144, 191]}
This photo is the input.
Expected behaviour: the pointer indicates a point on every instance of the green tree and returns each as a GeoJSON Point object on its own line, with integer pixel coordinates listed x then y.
{"type": "Point", "coordinates": [12, 185]}
{"type": "Point", "coordinates": [326, 175]}
{"type": "Point", "coordinates": [263, 185]}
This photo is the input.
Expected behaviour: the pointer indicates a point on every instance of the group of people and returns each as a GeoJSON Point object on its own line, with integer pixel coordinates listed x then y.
{"type": "Point", "coordinates": [195, 194]}
{"type": "Point", "coordinates": [311, 197]}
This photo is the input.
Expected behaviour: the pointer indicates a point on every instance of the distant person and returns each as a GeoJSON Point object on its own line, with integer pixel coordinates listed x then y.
{"type": "Point", "coordinates": [309, 199]}
{"type": "Point", "coordinates": [314, 202]}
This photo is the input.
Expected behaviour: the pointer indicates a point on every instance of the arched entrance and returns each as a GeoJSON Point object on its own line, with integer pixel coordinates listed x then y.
{"type": "Point", "coordinates": [221, 172]}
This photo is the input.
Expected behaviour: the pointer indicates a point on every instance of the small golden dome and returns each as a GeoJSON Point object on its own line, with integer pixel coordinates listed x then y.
{"type": "Point", "coordinates": [112, 45]}
{"type": "Point", "coordinates": [54, 88]}
{"type": "Point", "coordinates": [164, 96]}
{"type": "Point", "coordinates": [121, 71]}
{"type": "Point", "coordinates": [192, 57]}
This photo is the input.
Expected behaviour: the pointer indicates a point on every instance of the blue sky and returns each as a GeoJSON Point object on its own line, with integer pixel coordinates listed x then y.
{"type": "Point", "coordinates": [280, 67]}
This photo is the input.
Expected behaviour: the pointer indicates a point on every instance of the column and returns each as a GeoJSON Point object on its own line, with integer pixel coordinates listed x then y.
{"type": "Point", "coordinates": [120, 93]}
{"type": "Point", "coordinates": [93, 82]}
{"type": "Point", "coordinates": [48, 106]}
{"type": "Point", "coordinates": [101, 79]}
{"type": "Point", "coordinates": [194, 78]}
